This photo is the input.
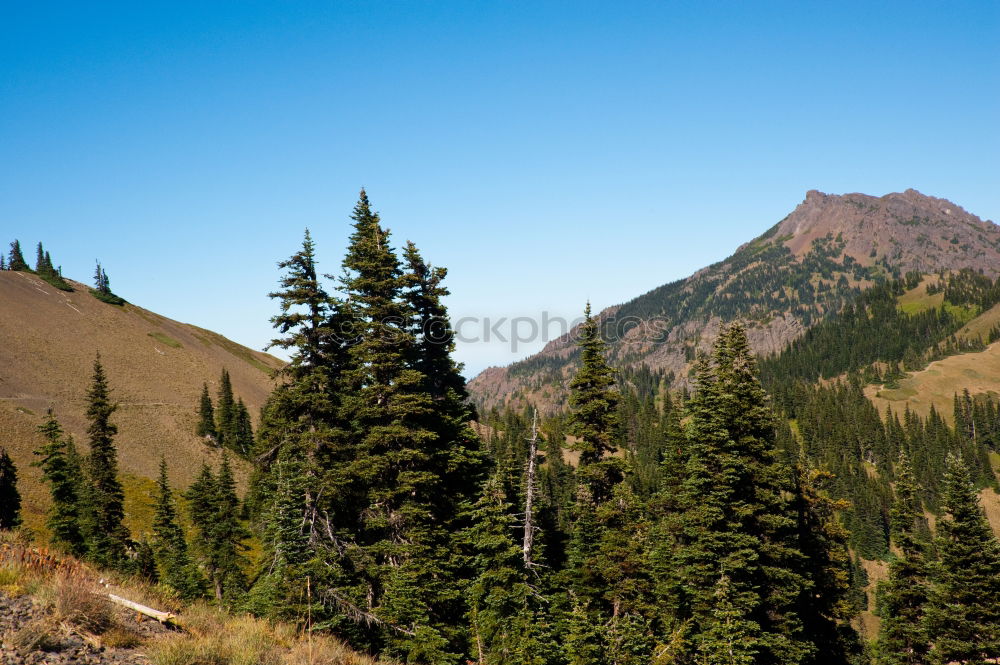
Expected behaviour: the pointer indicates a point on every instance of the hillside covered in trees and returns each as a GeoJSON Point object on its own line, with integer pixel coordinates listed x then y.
{"type": "Point", "coordinates": [736, 520]}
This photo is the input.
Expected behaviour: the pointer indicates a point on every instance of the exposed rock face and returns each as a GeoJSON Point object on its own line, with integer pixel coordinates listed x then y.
{"type": "Point", "coordinates": [910, 230]}
{"type": "Point", "coordinates": [813, 261]}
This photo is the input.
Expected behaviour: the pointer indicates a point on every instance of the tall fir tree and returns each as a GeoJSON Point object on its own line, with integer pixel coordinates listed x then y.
{"type": "Point", "coordinates": [594, 413]}
{"type": "Point", "coordinates": [736, 519]}
{"type": "Point", "coordinates": [904, 638]}
{"type": "Point", "coordinates": [61, 470]}
{"type": "Point", "coordinates": [10, 497]}
{"type": "Point", "coordinates": [404, 547]}
{"type": "Point", "coordinates": [169, 547]}
{"type": "Point", "coordinates": [48, 272]}
{"type": "Point", "coordinates": [228, 534]}
{"type": "Point", "coordinates": [206, 415]}
{"type": "Point", "coordinates": [225, 411]}
{"type": "Point", "coordinates": [298, 441]}
{"type": "Point", "coordinates": [109, 538]}
{"type": "Point", "coordinates": [41, 267]}
{"type": "Point", "coordinates": [15, 260]}
{"type": "Point", "coordinates": [964, 613]}
{"type": "Point", "coordinates": [242, 430]}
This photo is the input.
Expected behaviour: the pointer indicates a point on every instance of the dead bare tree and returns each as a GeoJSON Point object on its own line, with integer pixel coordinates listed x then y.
{"type": "Point", "coordinates": [529, 494]}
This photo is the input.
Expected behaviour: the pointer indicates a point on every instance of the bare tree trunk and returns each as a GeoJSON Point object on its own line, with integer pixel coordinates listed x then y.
{"type": "Point", "coordinates": [529, 493]}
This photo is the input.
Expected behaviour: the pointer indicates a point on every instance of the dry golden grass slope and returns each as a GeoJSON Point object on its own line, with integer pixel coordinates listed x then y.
{"type": "Point", "coordinates": [939, 381]}
{"type": "Point", "coordinates": [156, 367]}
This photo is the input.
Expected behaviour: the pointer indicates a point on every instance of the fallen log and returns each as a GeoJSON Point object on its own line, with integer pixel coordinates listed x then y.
{"type": "Point", "coordinates": [162, 617]}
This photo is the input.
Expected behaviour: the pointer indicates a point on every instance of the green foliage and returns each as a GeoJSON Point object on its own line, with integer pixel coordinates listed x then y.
{"type": "Point", "coordinates": [506, 618]}
{"type": "Point", "coordinates": [107, 536]}
{"type": "Point", "coordinates": [10, 498]}
{"type": "Point", "coordinates": [228, 423]}
{"type": "Point", "coordinates": [904, 638]}
{"type": "Point", "coordinates": [48, 272]}
{"type": "Point", "coordinates": [736, 520]}
{"type": "Point", "coordinates": [214, 508]}
{"type": "Point", "coordinates": [169, 547]}
{"type": "Point", "coordinates": [165, 339]}
{"type": "Point", "coordinates": [63, 472]}
{"type": "Point", "coordinates": [594, 414]}
{"type": "Point", "coordinates": [373, 410]}
{"type": "Point", "coordinates": [15, 260]}
{"type": "Point", "coordinates": [871, 329]}
{"type": "Point", "coordinates": [964, 616]}
{"type": "Point", "coordinates": [225, 412]}
{"type": "Point", "coordinates": [102, 288]}
{"type": "Point", "coordinates": [206, 416]}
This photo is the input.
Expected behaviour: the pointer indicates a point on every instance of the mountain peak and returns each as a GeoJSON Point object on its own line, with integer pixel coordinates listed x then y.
{"type": "Point", "coordinates": [908, 229]}
{"type": "Point", "coordinates": [813, 262]}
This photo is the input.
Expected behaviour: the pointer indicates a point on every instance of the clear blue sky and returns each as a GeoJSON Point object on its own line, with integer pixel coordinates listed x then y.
{"type": "Point", "coordinates": [545, 152]}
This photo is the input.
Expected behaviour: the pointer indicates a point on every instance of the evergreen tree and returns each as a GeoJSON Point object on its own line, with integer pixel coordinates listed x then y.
{"type": "Point", "coordinates": [583, 624]}
{"type": "Point", "coordinates": [593, 413]}
{"type": "Point", "coordinates": [736, 520]}
{"type": "Point", "coordinates": [904, 639]}
{"type": "Point", "coordinates": [102, 288]}
{"type": "Point", "coordinates": [298, 445]}
{"type": "Point", "coordinates": [242, 430]}
{"type": "Point", "coordinates": [214, 508]}
{"type": "Point", "coordinates": [101, 282]}
{"type": "Point", "coordinates": [729, 637]}
{"type": "Point", "coordinates": [16, 260]}
{"type": "Point", "coordinates": [206, 415]}
{"type": "Point", "coordinates": [43, 262]}
{"type": "Point", "coordinates": [228, 534]}
{"type": "Point", "coordinates": [48, 272]}
{"type": "Point", "coordinates": [826, 607]}
{"type": "Point", "coordinates": [277, 591]}
{"type": "Point", "coordinates": [404, 554]}
{"type": "Point", "coordinates": [10, 498]}
{"type": "Point", "coordinates": [964, 615]}
{"type": "Point", "coordinates": [225, 412]}
{"type": "Point", "coordinates": [145, 562]}
{"type": "Point", "coordinates": [62, 471]}
{"type": "Point", "coordinates": [507, 627]}
{"type": "Point", "coordinates": [169, 546]}
{"type": "Point", "coordinates": [109, 538]}
{"type": "Point", "coordinates": [3, 262]}
{"type": "Point", "coordinates": [621, 573]}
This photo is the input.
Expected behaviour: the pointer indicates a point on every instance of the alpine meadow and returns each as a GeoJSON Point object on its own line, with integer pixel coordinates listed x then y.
{"type": "Point", "coordinates": [597, 376]}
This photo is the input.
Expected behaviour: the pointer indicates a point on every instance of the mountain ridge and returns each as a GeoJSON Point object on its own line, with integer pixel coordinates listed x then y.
{"type": "Point", "coordinates": [809, 264]}
{"type": "Point", "coordinates": [155, 366]}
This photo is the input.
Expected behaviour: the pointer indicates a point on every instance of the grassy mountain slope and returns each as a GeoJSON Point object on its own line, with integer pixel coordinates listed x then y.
{"type": "Point", "coordinates": [156, 366]}
{"type": "Point", "coordinates": [938, 383]}
{"type": "Point", "coordinates": [821, 256]}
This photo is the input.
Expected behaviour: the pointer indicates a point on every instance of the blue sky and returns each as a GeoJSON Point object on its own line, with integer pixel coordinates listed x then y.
{"type": "Point", "coordinates": [547, 153]}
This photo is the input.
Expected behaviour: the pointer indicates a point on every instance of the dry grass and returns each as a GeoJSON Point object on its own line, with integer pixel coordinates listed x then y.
{"type": "Point", "coordinates": [74, 598]}
{"type": "Point", "coordinates": [214, 637]}
{"type": "Point", "coordinates": [938, 383]}
{"type": "Point", "coordinates": [916, 299]}
{"type": "Point", "coordinates": [48, 339]}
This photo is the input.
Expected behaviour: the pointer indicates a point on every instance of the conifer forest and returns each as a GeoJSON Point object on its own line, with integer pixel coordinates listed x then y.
{"type": "Point", "coordinates": [732, 521]}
